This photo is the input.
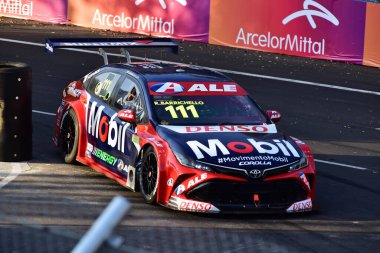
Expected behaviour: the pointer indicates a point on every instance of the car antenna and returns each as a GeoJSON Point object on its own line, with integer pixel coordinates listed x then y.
{"type": "Point", "coordinates": [126, 54]}
{"type": "Point", "coordinates": [104, 55]}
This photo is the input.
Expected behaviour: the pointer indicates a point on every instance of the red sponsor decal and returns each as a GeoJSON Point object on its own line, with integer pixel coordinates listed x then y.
{"type": "Point", "coordinates": [240, 147]}
{"type": "Point", "coordinates": [103, 129]}
{"type": "Point", "coordinates": [144, 41]}
{"type": "Point", "coordinates": [127, 115]}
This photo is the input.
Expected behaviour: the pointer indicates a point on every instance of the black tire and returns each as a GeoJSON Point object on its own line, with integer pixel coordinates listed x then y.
{"type": "Point", "coordinates": [70, 136]}
{"type": "Point", "coordinates": [149, 176]}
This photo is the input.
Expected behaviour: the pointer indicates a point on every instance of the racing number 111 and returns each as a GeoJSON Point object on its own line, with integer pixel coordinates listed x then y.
{"type": "Point", "coordinates": [183, 110]}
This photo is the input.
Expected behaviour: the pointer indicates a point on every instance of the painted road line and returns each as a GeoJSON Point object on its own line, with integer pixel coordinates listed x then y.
{"type": "Point", "coordinates": [15, 171]}
{"type": "Point", "coordinates": [340, 164]}
{"type": "Point", "coordinates": [45, 113]}
{"type": "Point", "coordinates": [282, 79]}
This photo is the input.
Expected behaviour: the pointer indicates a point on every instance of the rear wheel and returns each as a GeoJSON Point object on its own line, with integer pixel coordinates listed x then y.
{"type": "Point", "coordinates": [149, 176]}
{"type": "Point", "coordinates": [70, 136]}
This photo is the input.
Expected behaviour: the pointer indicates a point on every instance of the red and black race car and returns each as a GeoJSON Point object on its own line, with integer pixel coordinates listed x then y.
{"type": "Point", "coordinates": [188, 138]}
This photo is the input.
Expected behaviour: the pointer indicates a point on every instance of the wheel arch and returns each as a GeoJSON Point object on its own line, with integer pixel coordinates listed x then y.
{"type": "Point", "coordinates": [161, 163]}
{"type": "Point", "coordinates": [81, 117]}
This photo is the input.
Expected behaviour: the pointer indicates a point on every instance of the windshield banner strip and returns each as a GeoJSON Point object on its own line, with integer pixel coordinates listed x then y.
{"type": "Point", "coordinates": [195, 89]}
{"type": "Point", "coordinates": [224, 129]}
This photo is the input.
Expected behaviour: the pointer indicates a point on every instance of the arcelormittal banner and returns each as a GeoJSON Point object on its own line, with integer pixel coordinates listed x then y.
{"type": "Point", "coordinates": [322, 29]}
{"type": "Point", "coordinates": [343, 30]}
{"type": "Point", "coordinates": [372, 36]}
{"type": "Point", "coordinates": [54, 11]}
{"type": "Point", "coordinates": [182, 19]}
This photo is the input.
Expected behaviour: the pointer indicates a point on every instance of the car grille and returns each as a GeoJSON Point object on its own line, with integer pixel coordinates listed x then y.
{"type": "Point", "coordinates": [242, 173]}
{"type": "Point", "coordinates": [229, 195]}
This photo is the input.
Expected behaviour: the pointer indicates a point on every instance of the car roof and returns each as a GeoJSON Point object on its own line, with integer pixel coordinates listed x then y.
{"type": "Point", "coordinates": [165, 72]}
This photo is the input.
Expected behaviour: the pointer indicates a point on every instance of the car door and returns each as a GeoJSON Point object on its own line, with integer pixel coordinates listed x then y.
{"type": "Point", "coordinates": [103, 131]}
{"type": "Point", "coordinates": [128, 96]}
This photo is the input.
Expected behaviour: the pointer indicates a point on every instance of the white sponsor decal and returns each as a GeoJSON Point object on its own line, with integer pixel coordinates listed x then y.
{"type": "Point", "coordinates": [259, 158]}
{"type": "Point", "coordinates": [170, 182]}
{"type": "Point", "coordinates": [211, 149]}
{"type": "Point", "coordinates": [120, 165]}
{"type": "Point", "coordinates": [262, 147]}
{"type": "Point", "coordinates": [196, 180]}
{"type": "Point", "coordinates": [223, 129]}
{"type": "Point", "coordinates": [302, 206]}
{"type": "Point", "coordinates": [170, 87]}
{"type": "Point", "coordinates": [192, 206]}
{"type": "Point", "coordinates": [322, 13]}
{"type": "Point", "coordinates": [173, 88]}
{"type": "Point", "coordinates": [88, 76]}
{"type": "Point", "coordinates": [147, 24]}
{"type": "Point", "coordinates": [213, 87]}
{"type": "Point", "coordinates": [254, 163]}
{"type": "Point", "coordinates": [193, 182]}
{"type": "Point", "coordinates": [304, 179]}
{"type": "Point", "coordinates": [105, 129]}
{"type": "Point", "coordinates": [16, 7]}
{"type": "Point", "coordinates": [89, 150]}
{"type": "Point", "coordinates": [180, 189]}
{"type": "Point", "coordinates": [293, 43]}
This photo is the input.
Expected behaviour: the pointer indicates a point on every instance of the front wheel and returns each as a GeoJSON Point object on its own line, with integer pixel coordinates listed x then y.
{"type": "Point", "coordinates": [70, 136]}
{"type": "Point", "coordinates": [149, 176]}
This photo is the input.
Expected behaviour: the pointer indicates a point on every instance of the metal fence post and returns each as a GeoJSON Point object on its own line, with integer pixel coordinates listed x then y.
{"type": "Point", "coordinates": [15, 112]}
{"type": "Point", "coordinates": [101, 230]}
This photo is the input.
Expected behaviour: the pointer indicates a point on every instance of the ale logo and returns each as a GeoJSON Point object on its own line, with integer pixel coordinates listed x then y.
{"type": "Point", "coordinates": [322, 12]}
{"type": "Point", "coordinates": [167, 88]}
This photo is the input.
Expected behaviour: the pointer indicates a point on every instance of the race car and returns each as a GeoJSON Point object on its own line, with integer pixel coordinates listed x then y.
{"type": "Point", "coordinates": [186, 137]}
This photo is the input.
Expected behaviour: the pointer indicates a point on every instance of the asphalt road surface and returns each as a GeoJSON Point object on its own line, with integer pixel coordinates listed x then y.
{"type": "Point", "coordinates": [45, 205]}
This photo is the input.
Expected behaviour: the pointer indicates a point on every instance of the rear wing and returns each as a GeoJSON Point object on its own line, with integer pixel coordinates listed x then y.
{"type": "Point", "coordinates": [121, 43]}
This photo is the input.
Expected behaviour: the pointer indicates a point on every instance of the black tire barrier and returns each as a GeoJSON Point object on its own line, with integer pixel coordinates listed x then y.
{"type": "Point", "coordinates": [15, 112]}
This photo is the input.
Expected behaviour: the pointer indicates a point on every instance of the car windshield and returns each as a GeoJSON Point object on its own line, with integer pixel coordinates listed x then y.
{"type": "Point", "coordinates": [207, 110]}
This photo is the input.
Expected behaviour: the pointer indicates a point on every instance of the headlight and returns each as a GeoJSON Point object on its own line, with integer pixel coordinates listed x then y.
{"type": "Point", "coordinates": [191, 163]}
{"type": "Point", "coordinates": [299, 165]}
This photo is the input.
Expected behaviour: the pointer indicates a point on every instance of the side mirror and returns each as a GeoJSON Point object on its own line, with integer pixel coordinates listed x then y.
{"type": "Point", "coordinates": [275, 116]}
{"type": "Point", "coordinates": [127, 115]}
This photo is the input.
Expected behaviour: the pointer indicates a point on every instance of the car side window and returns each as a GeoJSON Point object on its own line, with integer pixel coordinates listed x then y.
{"type": "Point", "coordinates": [129, 96]}
{"type": "Point", "coordinates": [103, 84]}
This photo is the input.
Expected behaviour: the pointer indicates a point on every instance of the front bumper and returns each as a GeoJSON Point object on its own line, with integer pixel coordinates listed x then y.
{"type": "Point", "coordinates": [214, 196]}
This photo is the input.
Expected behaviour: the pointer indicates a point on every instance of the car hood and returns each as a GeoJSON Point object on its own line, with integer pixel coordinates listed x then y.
{"type": "Point", "coordinates": [233, 147]}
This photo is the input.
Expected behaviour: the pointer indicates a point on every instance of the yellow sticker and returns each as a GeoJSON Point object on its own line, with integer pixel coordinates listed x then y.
{"type": "Point", "coordinates": [183, 111]}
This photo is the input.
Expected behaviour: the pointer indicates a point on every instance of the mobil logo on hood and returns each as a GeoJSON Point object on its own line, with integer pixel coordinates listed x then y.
{"type": "Point", "coordinates": [246, 152]}
{"type": "Point", "coordinates": [215, 147]}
